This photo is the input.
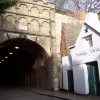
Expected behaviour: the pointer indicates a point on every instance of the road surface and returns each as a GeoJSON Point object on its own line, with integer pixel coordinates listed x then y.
{"type": "Point", "coordinates": [9, 93]}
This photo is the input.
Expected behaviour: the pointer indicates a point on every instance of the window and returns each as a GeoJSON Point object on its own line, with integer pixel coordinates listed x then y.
{"type": "Point", "coordinates": [88, 42]}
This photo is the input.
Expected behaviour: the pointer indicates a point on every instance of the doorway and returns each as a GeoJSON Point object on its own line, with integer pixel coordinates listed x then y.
{"type": "Point", "coordinates": [93, 78]}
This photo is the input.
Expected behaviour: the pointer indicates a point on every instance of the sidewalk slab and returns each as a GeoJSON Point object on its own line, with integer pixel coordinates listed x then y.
{"type": "Point", "coordinates": [62, 94]}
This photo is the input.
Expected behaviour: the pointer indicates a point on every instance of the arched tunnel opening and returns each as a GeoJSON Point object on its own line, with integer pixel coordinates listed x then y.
{"type": "Point", "coordinates": [23, 63]}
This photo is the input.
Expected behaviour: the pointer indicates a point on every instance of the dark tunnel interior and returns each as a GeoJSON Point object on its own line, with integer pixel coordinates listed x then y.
{"type": "Point", "coordinates": [16, 65]}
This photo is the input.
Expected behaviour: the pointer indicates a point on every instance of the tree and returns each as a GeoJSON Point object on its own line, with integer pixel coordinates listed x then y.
{"type": "Point", "coordinates": [87, 5]}
{"type": "Point", "coordinates": [4, 4]}
{"type": "Point", "coordinates": [77, 5]}
{"type": "Point", "coordinates": [60, 4]}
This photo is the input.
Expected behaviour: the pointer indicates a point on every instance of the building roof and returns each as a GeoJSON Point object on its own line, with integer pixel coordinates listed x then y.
{"type": "Point", "coordinates": [72, 31]}
{"type": "Point", "coordinates": [93, 21]}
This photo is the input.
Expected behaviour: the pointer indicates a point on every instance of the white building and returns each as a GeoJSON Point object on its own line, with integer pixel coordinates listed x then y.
{"type": "Point", "coordinates": [85, 58]}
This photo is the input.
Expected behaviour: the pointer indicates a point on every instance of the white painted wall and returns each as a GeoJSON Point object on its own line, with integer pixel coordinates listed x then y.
{"type": "Point", "coordinates": [79, 68]}
{"type": "Point", "coordinates": [66, 63]}
{"type": "Point", "coordinates": [80, 49]}
{"type": "Point", "coordinates": [80, 79]}
{"type": "Point", "coordinates": [81, 55]}
{"type": "Point", "coordinates": [80, 44]}
{"type": "Point", "coordinates": [92, 20]}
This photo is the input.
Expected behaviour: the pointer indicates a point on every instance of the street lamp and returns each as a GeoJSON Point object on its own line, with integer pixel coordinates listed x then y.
{"type": "Point", "coordinates": [10, 53]}
{"type": "Point", "coordinates": [6, 57]}
{"type": "Point", "coordinates": [16, 47]}
{"type": "Point", "coordinates": [2, 60]}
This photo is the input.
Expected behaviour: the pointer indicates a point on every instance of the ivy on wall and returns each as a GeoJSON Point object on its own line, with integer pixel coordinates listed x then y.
{"type": "Point", "coordinates": [4, 4]}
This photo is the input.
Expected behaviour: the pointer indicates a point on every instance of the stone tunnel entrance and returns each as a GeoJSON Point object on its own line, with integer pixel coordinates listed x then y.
{"type": "Point", "coordinates": [23, 63]}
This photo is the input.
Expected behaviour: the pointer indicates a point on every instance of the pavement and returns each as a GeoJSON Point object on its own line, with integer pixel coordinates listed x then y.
{"type": "Point", "coordinates": [16, 93]}
{"type": "Point", "coordinates": [62, 94]}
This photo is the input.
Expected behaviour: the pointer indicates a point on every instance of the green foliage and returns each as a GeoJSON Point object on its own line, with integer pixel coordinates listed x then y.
{"type": "Point", "coordinates": [64, 12]}
{"type": "Point", "coordinates": [4, 4]}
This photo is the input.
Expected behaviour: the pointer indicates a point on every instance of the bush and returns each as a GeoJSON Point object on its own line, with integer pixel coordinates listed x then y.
{"type": "Point", "coordinates": [4, 4]}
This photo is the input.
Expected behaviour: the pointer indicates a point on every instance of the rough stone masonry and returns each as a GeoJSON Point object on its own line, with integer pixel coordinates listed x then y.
{"type": "Point", "coordinates": [34, 20]}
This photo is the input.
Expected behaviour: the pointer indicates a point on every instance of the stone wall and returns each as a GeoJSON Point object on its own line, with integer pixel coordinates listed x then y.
{"type": "Point", "coordinates": [34, 20]}
{"type": "Point", "coordinates": [67, 29]}
{"type": "Point", "coordinates": [30, 18]}
{"type": "Point", "coordinates": [71, 29]}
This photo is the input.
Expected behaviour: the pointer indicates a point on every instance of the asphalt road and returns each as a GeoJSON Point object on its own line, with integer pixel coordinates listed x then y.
{"type": "Point", "coordinates": [9, 93]}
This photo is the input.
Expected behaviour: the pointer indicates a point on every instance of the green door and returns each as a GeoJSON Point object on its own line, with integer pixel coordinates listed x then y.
{"type": "Point", "coordinates": [70, 81]}
{"type": "Point", "coordinates": [93, 78]}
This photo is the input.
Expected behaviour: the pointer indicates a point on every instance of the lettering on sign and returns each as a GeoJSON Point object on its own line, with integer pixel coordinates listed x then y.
{"type": "Point", "coordinates": [84, 53]}
{"type": "Point", "coordinates": [22, 27]}
{"type": "Point", "coordinates": [95, 50]}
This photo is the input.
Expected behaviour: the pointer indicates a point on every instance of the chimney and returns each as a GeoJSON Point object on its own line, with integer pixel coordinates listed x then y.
{"type": "Point", "coordinates": [77, 15]}
{"type": "Point", "coordinates": [63, 46]}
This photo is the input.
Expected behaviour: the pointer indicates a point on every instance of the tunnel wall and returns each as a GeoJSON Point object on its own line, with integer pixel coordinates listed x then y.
{"type": "Point", "coordinates": [33, 20]}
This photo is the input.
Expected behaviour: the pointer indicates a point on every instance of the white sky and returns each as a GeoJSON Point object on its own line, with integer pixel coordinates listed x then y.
{"type": "Point", "coordinates": [46, 0]}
